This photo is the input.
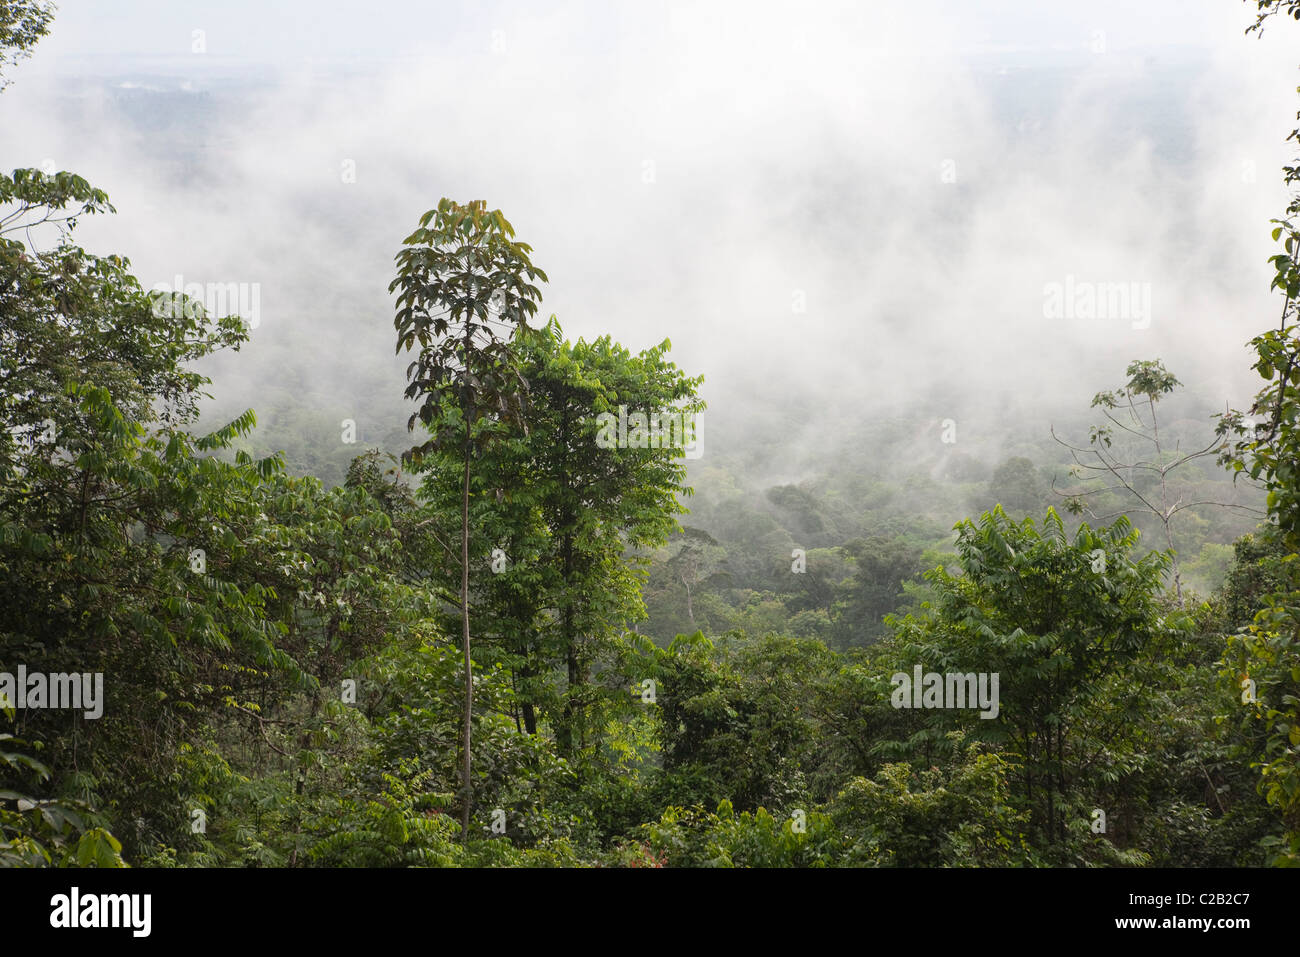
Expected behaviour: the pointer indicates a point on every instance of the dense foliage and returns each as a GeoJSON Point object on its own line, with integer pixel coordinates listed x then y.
{"type": "Point", "coordinates": [803, 675]}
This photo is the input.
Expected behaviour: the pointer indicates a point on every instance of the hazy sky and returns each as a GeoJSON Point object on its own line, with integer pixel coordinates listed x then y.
{"type": "Point", "coordinates": [862, 202]}
{"type": "Point", "coordinates": [285, 32]}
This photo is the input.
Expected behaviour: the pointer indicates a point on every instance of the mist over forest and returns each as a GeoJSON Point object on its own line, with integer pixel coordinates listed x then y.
{"type": "Point", "coordinates": [983, 555]}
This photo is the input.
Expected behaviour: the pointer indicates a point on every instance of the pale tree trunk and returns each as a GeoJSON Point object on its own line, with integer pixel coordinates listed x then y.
{"type": "Point", "coordinates": [467, 788]}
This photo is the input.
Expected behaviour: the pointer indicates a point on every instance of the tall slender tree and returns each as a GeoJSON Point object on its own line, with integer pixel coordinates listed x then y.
{"type": "Point", "coordinates": [461, 278]}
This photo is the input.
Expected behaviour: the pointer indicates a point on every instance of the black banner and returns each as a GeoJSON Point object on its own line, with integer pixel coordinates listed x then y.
{"type": "Point", "coordinates": [333, 906]}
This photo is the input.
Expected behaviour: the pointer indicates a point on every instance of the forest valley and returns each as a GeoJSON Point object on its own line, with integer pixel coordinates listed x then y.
{"type": "Point", "coordinates": [501, 646]}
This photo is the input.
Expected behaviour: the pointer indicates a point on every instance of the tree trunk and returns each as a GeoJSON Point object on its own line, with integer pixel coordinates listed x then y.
{"type": "Point", "coordinates": [526, 706]}
{"type": "Point", "coordinates": [565, 739]}
{"type": "Point", "coordinates": [1173, 554]}
{"type": "Point", "coordinates": [466, 784]}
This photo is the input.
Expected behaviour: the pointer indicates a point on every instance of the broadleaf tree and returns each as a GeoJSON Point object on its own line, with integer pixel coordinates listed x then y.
{"type": "Point", "coordinates": [461, 278]}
